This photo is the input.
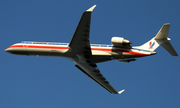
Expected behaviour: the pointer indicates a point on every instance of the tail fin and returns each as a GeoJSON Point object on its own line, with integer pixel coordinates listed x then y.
{"type": "Point", "coordinates": [162, 39]}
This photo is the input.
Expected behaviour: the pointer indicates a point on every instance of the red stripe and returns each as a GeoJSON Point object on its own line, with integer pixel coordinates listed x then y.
{"type": "Point", "coordinates": [118, 50]}
{"type": "Point", "coordinates": [32, 46]}
{"type": "Point", "coordinates": [48, 47]}
{"type": "Point", "coordinates": [15, 46]}
{"type": "Point", "coordinates": [130, 52]}
{"type": "Point", "coordinates": [100, 49]}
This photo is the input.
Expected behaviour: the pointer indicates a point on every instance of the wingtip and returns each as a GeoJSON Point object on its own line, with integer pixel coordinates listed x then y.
{"type": "Point", "coordinates": [121, 91]}
{"type": "Point", "coordinates": [91, 9]}
{"type": "Point", "coordinates": [167, 24]}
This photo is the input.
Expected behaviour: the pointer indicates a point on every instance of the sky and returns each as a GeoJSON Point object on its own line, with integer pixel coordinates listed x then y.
{"type": "Point", "coordinates": [52, 82]}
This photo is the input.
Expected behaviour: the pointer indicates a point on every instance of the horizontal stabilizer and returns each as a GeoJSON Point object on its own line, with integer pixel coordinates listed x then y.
{"type": "Point", "coordinates": [163, 40]}
{"type": "Point", "coordinates": [168, 47]}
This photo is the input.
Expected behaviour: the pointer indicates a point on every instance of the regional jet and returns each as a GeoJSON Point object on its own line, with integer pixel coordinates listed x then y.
{"type": "Point", "coordinates": [86, 55]}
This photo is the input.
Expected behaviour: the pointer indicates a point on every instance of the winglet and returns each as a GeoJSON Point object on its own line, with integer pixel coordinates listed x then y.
{"type": "Point", "coordinates": [91, 9]}
{"type": "Point", "coordinates": [121, 91]}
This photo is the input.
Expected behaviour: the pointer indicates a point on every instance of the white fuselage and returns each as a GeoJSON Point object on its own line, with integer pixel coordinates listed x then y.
{"type": "Point", "coordinates": [99, 51]}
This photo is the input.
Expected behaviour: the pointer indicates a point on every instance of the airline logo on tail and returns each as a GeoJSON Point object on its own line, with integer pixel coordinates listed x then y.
{"type": "Point", "coordinates": [151, 44]}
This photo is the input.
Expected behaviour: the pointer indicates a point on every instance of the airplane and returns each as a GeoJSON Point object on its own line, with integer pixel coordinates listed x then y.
{"type": "Point", "coordinates": [86, 55]}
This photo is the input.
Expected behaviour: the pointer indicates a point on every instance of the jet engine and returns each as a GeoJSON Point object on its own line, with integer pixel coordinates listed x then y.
{"type": "Point", "coordinates": [120, 42]}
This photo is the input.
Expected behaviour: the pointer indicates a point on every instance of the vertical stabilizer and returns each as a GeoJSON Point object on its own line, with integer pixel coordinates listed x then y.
{"type": "Point", "coordinates": [163, 32]}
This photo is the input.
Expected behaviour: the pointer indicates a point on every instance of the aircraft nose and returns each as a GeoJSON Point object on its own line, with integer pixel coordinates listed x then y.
{"type": "Point", "coordinates": [8, 49]}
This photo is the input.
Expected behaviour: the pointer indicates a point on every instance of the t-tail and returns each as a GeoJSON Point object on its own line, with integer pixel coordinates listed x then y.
{"type": "Point", "coordinates": [162, 39]}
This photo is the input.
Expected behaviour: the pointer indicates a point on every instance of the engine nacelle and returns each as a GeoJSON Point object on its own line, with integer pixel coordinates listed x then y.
{"type": "Point", "coordinates": [119, 41]}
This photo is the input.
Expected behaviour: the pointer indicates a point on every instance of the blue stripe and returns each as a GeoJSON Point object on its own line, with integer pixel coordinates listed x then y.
{"type": "Point", "coordinates": [152, 45]}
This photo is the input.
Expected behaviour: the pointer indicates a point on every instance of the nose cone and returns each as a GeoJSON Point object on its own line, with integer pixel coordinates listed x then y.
{"type": "Point", "coordinates": [9, 49]}
{"type": "Point", "coordinates": [6, 50]}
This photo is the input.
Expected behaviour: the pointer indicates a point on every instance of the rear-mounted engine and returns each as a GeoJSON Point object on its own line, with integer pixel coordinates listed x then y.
{"type": "Point", "coordinates": [120, 42]}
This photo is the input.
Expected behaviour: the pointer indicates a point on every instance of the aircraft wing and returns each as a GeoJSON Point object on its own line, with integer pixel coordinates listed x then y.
{"type": "Point", "coordinates": [82, 55]}
{"type": "Point", "coordinates": [92, 71]}
{"type": "Point", "coordinates": [80, 39]}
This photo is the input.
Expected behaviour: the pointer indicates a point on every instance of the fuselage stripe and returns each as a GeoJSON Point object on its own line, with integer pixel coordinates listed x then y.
{"type": "Point", "coordinates": [65, 47]}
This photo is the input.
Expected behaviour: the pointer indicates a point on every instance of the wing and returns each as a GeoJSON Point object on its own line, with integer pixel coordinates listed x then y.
{"type": "Point", "coordinates": [92, 71]}
{"type": "Point", "coordinates": [80, 40]}
{"type": "Point", "coordinates": [80, 51]}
